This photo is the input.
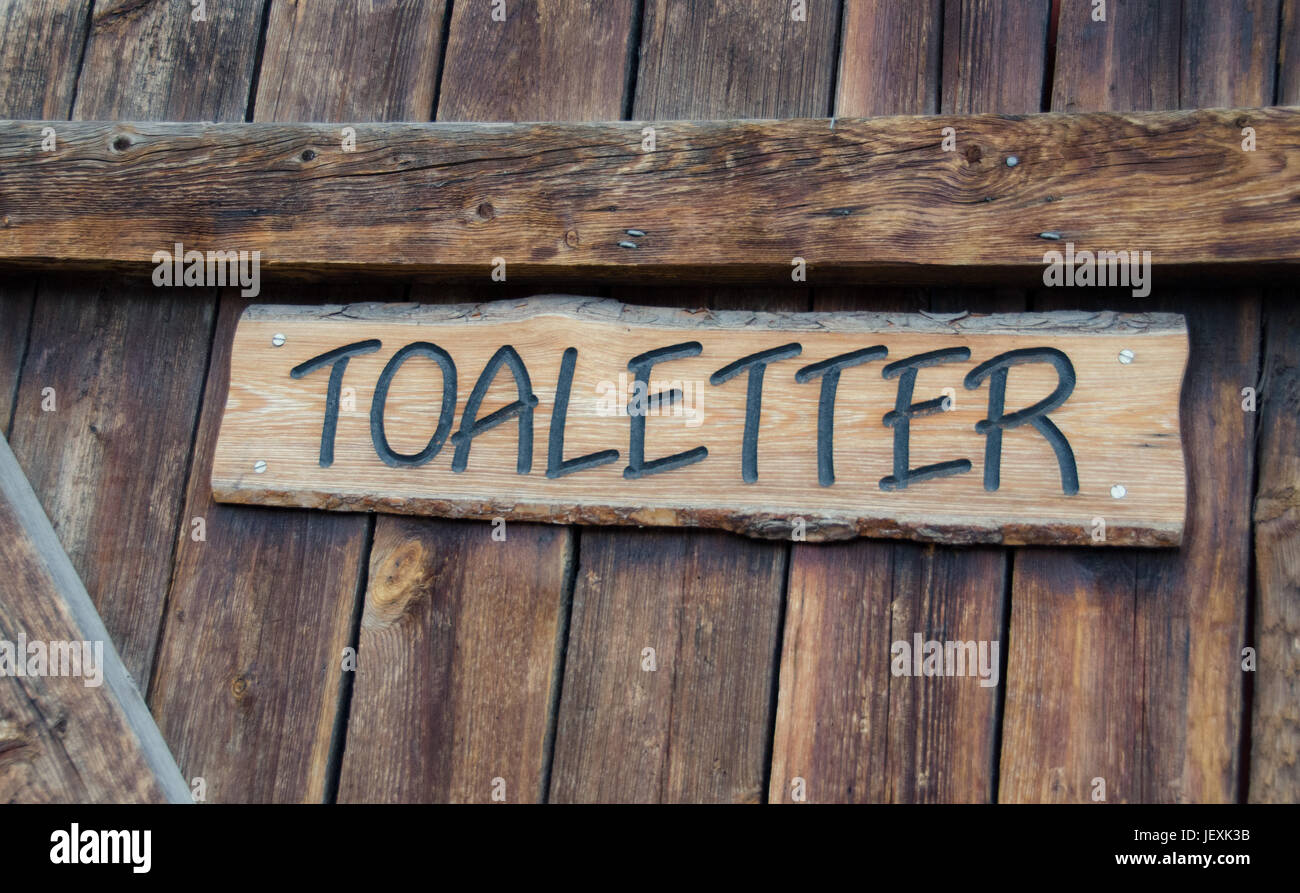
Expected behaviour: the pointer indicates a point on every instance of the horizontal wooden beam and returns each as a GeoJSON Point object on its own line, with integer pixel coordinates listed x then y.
{"type": "Point", "coordinates": [73, 726]}
{"type": "Point", "coordinates": [881, 199]}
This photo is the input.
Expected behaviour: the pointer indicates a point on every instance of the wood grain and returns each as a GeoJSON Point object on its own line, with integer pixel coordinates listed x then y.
{"type": "Point", "coordinates": [85, 738]}
{"type": "Point", "coordinates": [276, 418]}
{"type": "Point", "coordinates": [846, 725]}
{"type": "Point", "coordinates": [562, 60]}
{"type": "Point", "coordinates": [96, 342]}
{"type": "Point", "coordinates": [1126, 667]}
{"type": "Point", "coordinates": [475, 652]}
{"type": "Point", "coordinates": [710, 602]}
{"type": "Point", "coordinates": [271, 599]}
{"type": "Point", "coordinates": [40, 43]}
{"type": "Point", "coordinates": [448, 198]}
{"type": "Point", "coordinates": [1275, 725]}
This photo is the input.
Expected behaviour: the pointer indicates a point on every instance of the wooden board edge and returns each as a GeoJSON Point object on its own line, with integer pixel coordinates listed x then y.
{"type": "Point", "coordinates": [17, 491]}
{"type": "Point", "coordinates": [765, 524]}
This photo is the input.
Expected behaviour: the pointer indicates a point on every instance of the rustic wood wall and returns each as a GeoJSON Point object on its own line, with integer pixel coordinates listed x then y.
{"type": "Point", "coordinates": [522, 660]}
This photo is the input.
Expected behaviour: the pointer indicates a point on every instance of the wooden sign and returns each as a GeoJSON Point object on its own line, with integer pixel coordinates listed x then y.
{"type": "Point", "coordinates": [1020, 428]}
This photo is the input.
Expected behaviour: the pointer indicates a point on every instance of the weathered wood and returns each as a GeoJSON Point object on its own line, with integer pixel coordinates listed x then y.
{"type": "Point", "coordinates": [78, 732]}
{"type": "Point", "coordinates": [1275, 726]}
{"type": "Point", "coordinates": [845, 725]}
{"type": "Point", "coordinates": [1126, 667]}
{"type": "Point", "coordinates": [1275, 736]}
{"type": "Point", "coordinates": [999, 48]}
{"type": "Point", "coordinates": [709, 603]}
{"type": "Point", "coordinates": [462, 633]}
{"type": "Point", "coordinates": [40, 45]}
{"type": "Point", "coordinates": [273, 597]}
{"type": "Point", "coordinates": [564, 60]}
{"type": "Point", "coordinates": [313, 455]}
{"type": "Point", "coordinates": [866, 198]}
{"type": "Point", "coordinates": [95, 343]}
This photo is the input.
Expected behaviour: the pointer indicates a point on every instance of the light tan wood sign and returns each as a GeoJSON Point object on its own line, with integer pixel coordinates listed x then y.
{"type": "Point", "coordinates": [1014, 428]}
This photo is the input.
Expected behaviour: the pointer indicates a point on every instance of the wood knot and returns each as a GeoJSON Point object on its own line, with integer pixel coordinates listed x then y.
{"type": "Point", "coordinates": [308, 154]}
{"type": "Point", "coordinates": [239, 687]}
{"type": "Point", "coordinates": [401, 577]}
{"type": "Point", "coordinates": [486, 211]}
{"type": "Point", "coordinates": [120, 143]}
{"type": "Point", "coordinates": [17, 744]}
{"type": "Point", "coordinates": [973, 154]}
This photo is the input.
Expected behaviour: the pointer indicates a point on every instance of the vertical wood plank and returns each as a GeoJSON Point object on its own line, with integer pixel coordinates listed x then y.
{"type": "Point", "coordinates": [564, 60]}
{"type": "Point", "coordinates": [1126, 666]}
{"type": "Point", "coordinates": [889, 58]}
{"type": "Point", "coordinates": [461, 632]}
{"type": "Point", "coordinates": [845, 725]}
{"type": "Point", "coordinates": [249, 678]}
{"type": "Point", "coordinates": [696, 728]}
{"type": "Point", "coordinates": [1000, 47]}
{"type": "Point", "coordinates": [1275, 728]}
{"type": "Point", "coordinates": [40, 45]}
{"type": "Point", "coordinates": [126, 363]}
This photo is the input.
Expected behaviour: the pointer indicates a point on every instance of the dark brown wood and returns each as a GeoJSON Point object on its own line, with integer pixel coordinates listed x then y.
{"type": "Point", "coordinates": [697, 728]}
{"type": "Point", "coordinates": [1275, 726]}
{"type": "Point", "coordinates": [462, 635]}
{"type": "Point", "coordinates": [889, 58]}
{"type": "Point", "coordinates": [845, 725]}
{"type": "Point", "coordinates": [857, 198]}
{"type": "Point", "coordinates": [272, 597]}
{"type": "Point", "coordinates": [1000, 46]}
{"type": "Point", "coordinates": [1127, 668]}
{"type": "Point", "coordinates": [1275, 734]}
{"type": "Point", "coordinates": [40, 44]}
{"type": "Point", "coordinates": [84, 738]}
{"type": "Point", "coordinates": [564, 60]}
{"type": "Point", "coordinates": [97, 343]}
{"type": "Point", "coordinates": [336, 62]}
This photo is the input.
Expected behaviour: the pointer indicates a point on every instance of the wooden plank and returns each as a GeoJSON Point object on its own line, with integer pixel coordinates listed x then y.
{"type": "Point", "coordinates": [40, 44]}
{"type": "Point", "coordinates": [565, 60]}
{"type": "Point", "coordinates": [1275, 726]}
{"type": "Point", "coordinates": [449, 198]}
{"type": "Point", "coordinates": [1275, 732]}
{"type": "Point", "coordinates": [286, 441]}
{"type": "Point", "coordinates": [93, 342]}
{"type": "Point", "coordinates": [1126, 667]}
{"type": "Point", "coordinates": [73, 727]}
{"type": "Point", "coordinates": [697, 727]}
{"type": "Point", "coordinates": [848, 727]}
{"type": "Point", "coordinates": [272, 597]}
{"type": "Point", "coordinates": [440, 668]}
